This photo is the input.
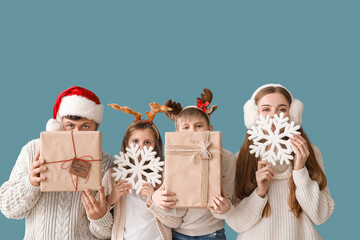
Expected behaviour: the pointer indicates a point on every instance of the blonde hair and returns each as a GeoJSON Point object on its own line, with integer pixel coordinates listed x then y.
{"type": "Point", "coordinates": [246, 165]}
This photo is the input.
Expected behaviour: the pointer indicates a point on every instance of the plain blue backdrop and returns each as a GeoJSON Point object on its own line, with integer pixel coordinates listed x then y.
{"type": "Point", "coordinates": [136, 52]}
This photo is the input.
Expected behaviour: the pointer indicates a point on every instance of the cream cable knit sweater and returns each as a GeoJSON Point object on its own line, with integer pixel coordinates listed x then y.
{"type": "Point", "coordinates": [48, 215]}
{"type": "Point", "coordinates": [317, 207]}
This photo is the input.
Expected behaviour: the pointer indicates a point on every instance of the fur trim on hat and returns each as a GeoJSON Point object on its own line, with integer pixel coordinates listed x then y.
{"type": "Point", "coordinates": [53, 125]}
{"type": "Point", "coordinates": [80, 106]}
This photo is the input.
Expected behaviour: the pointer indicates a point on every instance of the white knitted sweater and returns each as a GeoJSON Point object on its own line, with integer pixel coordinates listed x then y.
{"type": "Point", "coordinates": [48, 215]}
{"type": "Point", "coordinates": [317, 206]}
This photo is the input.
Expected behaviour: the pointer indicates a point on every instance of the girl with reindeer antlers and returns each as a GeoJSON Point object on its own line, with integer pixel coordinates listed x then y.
{"type": "Point", "coordinates": [133, 216]}
{"type": "Point", "coordinates": [195, 222]}
{"type": "Point", "coordinates": [278, 201]}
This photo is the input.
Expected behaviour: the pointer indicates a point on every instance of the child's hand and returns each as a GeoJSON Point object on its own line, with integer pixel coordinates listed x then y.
{"type": "Point", "coordinates": [301, 150]}
{"type": "Point", "coordinates": [94, 209]}
{"type": "Point", "coordinates": [220, 204]}
{"type": "Point", "coordinates": [264, 175]}
{"type": "Point", "coordinates": [147, 190]}
{"type": "Point", "coordinates": [163, 198]}
{"type": "Point", "coordinates": [35, 170]}
{"type": "Point", "coordinates": [121, 188]}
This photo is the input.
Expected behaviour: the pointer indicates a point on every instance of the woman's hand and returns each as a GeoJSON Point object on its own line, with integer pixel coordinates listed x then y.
{"type": "Point", "coordinates": [94, 209]}
{"type": "Point", "coordinates": [35, 170]}
{"type": "Point", "coordinates": [163, 198]}
{"type": "Point", "coordinates": [264, 175]}
{"type": "Point", "coordinates": [301, 150]}
{"type": "Point", "coordinates": [220, 203]}
{"type": "Point", "coordinates": [121, 188]}
{"type": "Point", "coordinates": [147, 190]}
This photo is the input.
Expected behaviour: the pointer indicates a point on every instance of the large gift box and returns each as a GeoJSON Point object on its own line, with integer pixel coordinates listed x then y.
{"type": "Point", "coordinates": [73, 159]}
{"type": "Point", "coordinates": [193, 168]}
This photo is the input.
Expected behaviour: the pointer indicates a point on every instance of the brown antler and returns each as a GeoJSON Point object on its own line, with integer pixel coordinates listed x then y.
{"type": "Point", "coordinates": [176, 109]}
{"type": "Point", "coordinates": [207, 97]}
{"type": "Point", "coordinates": [156, 108]}
{"type": "Point", "coordinates": [126, 110]}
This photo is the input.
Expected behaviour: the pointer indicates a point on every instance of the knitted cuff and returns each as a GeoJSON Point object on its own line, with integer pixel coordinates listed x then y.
{"type": "Point", "coordinates": [225, 215]}
{"type": "Point", "coordinates": [30, 189]}
{"type": "Point", "coordinates": [106, 220]}
{"type": "Point", "coordinates": [301, 178]}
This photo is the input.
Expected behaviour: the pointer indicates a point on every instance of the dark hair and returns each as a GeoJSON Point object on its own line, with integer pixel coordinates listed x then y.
{"type": "Point", "coordinates": [73, 117]}
{"type": "Point", "coordinates": [192, 112]}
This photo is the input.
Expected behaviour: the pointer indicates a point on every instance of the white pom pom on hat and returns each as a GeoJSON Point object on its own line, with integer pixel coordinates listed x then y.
{"type": "Point", "coordinates": [251, 112]}
{"type": "Point", "coordinates": [76, 101]}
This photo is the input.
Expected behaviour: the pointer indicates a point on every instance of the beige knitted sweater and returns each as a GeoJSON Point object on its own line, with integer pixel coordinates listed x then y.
{"type": "Point", "coordinates": [48, 215]}
{"type": "Point", "coordinates": [317, 206]}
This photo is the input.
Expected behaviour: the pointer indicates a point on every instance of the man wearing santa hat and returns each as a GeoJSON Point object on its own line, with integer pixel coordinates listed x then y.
{"type": "Point", "coordinates": [53, 215]}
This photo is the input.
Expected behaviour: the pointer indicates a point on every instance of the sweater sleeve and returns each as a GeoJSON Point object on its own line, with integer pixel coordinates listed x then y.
{"type": "Point", "coordinates": [171, 218]}
{"type": "Point", "coordinates": [246, 213]}
{"type": "Point", "coordinates": [228, 173]}
{"type": "Point", "coordinates": [17, 195]}
{"type": "Point", "coordinates": [316, 203]}
{"type": "Point", "coordinates": [167, 220]}
{"type": "Point", "coordinates": [101, 228]}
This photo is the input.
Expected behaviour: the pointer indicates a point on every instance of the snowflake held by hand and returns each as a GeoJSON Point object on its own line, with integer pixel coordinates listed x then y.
{"type": "Point", "coordinates": [279, 149]}
{"type": "Point", "coordinates": [138, 166]}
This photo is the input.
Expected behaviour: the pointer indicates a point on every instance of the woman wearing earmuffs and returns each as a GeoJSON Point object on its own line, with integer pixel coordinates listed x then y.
{"type": "Point", "coordinates": [281, 201]}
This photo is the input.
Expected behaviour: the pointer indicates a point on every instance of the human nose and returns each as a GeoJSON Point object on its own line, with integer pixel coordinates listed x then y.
{"type": "Point", "coordinates": [141, 145]}
{"type": "Point", "coordinates": [76, 128]}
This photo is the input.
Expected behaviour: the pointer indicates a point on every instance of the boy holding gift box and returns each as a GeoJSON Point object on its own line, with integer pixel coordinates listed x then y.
{"type": "Point", "coordinates": [53, 215]}
{"type": "Point", "coordinates": [196, 221]}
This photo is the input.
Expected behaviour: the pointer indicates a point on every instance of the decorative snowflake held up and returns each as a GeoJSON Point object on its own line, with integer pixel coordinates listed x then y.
{"type": "Point", "coordinates": [263, 136]}
{"type": "Point", "coordinates": [138, 166]}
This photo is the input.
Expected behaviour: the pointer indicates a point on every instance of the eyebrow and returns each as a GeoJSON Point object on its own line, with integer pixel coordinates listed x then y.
{"type": "Point", "coordinates": [280, 105]}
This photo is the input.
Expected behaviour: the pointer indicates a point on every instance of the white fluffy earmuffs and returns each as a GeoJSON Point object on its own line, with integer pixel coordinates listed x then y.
{"type": "Point", "coordinates": [251, 111]}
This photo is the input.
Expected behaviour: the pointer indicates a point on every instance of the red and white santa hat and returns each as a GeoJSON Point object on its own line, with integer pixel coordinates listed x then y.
{"type": "Point", "coordinates": [251, 111]}
{"type": "Point", "coordinates": [75, 101]}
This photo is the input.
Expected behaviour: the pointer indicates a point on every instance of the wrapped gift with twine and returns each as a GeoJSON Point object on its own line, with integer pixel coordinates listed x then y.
{"type": "Point", "coordinates": [73, 159]}
{"type": "Point", "coordinates": [193, 168]}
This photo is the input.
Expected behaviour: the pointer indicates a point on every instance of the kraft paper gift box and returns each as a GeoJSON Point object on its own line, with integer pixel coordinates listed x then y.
{"type": "Point", "coordinates": [193, 168]}
{"type": "Point", "coordinates": [73, 159]}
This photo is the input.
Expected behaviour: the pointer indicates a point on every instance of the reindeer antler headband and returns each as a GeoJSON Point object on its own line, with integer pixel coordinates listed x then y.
{"type": "Point", "coordinates": [155, 108]}
{"type": "Point", "coordinates": [202, 103]}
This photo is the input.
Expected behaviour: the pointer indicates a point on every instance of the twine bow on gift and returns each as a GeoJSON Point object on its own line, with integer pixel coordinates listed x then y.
{"type": "Point", "coordinates": [68, 163]}
{"type": "Point", "coordinates": [203, 152]}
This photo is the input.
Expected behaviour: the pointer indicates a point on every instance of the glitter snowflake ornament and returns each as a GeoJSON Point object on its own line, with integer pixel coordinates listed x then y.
{"type": "Point", "coordinates": [138, 166]}
{"type": "Point", "coordinates": [273, 146]}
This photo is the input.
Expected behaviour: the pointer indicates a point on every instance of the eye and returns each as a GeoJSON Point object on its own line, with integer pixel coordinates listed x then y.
{"type": "Point", "coordinates": [148, 142]}
{"type": "Point", "coordinates": [85, 126]}
{"type": "Point", "coordinates": [282, 109]}
{"type": "Point", "coordinates": [199, 125]}
{"type": "Point", "coordinates": [69, 125]}
{"type": "Point", "coordinates": [135, 141]}
{"type": "Point", "coordinates": [185, 127]}
{"type": "Point", "coordinates": [265, 109]}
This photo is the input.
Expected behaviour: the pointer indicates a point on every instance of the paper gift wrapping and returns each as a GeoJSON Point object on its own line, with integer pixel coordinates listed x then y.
{"type": "Point", "coordinates": [68, 154]}
{"type": "Point", "coordinates": [193, 168]}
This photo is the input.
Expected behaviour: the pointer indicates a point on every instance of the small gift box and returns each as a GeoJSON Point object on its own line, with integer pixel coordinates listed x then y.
{"type": "Point", "coordinates": [193, 168]}
{"type": "Point", "coordinates": [73, 159]}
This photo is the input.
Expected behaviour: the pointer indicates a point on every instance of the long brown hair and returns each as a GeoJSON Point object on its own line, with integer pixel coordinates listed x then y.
{"type": "Point", "coordinates": [246, 165]}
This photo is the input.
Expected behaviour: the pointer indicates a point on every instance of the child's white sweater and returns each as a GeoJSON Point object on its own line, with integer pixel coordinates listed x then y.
{"type": "Point", "coordinates": [48, 215]}
{"type": "Point", "coordinates": [317, 206]}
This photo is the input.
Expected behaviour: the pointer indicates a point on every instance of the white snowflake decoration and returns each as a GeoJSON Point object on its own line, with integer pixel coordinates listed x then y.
{"type": "Point", "coordinates": [263, 136]}
{"type": "Point", "coordinates": [134, 171]}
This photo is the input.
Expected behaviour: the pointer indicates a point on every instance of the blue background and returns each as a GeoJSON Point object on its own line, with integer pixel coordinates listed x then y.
{"type": "Point", "coordinates": [136, 52]}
